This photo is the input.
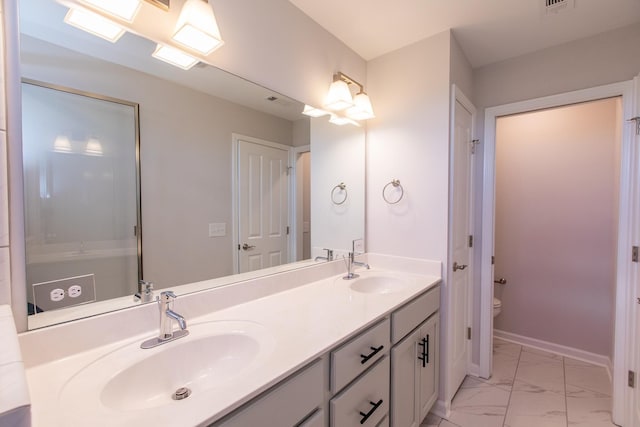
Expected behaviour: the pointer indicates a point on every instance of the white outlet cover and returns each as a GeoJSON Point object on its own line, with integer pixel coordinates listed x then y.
{"type": "Point", "coordinates": [57, 294]}
{"type": "Point", "coordinates": [74, 291]}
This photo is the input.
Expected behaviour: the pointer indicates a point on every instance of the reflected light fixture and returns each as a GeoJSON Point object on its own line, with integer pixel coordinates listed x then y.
{"type": "Point", "coordinates": [314, 112]}
{"type": "Point", "coordinates": [93, 23]}
{"type": "Point", "coordinates": [93, 148]}
{"type": "Point", "coordinates": [197, 27]}
{"type": "Point", "coordinates": [121, 9]}
{"type": "Point", "coordinates": [362, 109]}
{"type": "Point", "coordinates": [62, 144]}
{"type": "Point", "coordinates": [174, 57]}
{"type": "Point", "coordinates": [339, 120]}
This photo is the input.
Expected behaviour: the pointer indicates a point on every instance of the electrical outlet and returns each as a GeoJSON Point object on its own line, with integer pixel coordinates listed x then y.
{"type": "Point", "coordinates": [57, 294]}
{"type": "Point", "coordinates": [74, 291]}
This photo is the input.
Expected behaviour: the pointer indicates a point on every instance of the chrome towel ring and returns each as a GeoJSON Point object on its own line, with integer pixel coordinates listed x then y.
{"type": "Point", "coordinates": [396, 184]}
{"type": "Point", "coordinates": [337, 197]}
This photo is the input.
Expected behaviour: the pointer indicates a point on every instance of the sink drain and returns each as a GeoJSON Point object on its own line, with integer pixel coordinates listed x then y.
{"type": "Point", "coordinates": [181, 393]}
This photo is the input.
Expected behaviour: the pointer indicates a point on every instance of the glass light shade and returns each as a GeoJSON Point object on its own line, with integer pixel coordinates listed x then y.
{"type": "Point", "coordinates": [93, 148]}
{"type": "Point", "coordinates": [362, 109]}
{"type": "Point", "coordinates": [94, 24]}
{"type": "Point", "coordinates": [62, 144]}
{"type": "Point", "coordinates": [340, 121]}
{"type": "Point", "coordinates": [314, 112]}
{"type": "Point", "coordinates": [174, 56]}
{"type": "Point", "coordinates": [123, 9]}
{"type": "Point", "coordinates": [197, 28]}
{"type": "Point", "coordinates": [339, 96]}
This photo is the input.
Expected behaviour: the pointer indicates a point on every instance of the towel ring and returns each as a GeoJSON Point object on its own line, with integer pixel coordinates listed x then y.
{"type": "Point", "coordinates": [342, 187]}
{"type": "Point", "coordinates": [396, 184]}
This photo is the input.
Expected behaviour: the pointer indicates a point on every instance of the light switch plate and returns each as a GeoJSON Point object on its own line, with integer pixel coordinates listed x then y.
{"type": "Point", "coordinates": [217, 229]}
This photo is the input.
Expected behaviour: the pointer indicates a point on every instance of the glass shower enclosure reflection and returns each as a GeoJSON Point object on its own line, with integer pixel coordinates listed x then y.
{"type": "Point", "coordinates": [82, 216]}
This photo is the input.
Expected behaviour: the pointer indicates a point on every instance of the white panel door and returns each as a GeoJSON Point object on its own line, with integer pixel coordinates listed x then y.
{"type": "Point", "coordinates": [263, 200]}
{"type": "Point", "coordinates": [460, 259]}
{"type": "Point", "coordinates": [635, 311]}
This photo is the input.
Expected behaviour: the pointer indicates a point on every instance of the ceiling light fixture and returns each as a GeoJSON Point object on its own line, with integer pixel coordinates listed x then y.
{"type": "Point", "coordinates": [95, 24]}
{"type": "Point", "coordinates": [174, 56]}
{"type": "Point", "coordinates": [339, 98]}
{"type": "Point", "coordinates": [197, 27]}
{"type": "Point", "coordinates": [121, 9]}
{"type": "Point", "coordinates": [339, 120]}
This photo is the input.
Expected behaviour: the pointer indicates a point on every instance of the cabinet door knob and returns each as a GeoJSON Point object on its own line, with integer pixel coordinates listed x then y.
{"type": "Point", "coordinates": [366, 416]}
{"type": "Point", "coordinates": [424, 356]}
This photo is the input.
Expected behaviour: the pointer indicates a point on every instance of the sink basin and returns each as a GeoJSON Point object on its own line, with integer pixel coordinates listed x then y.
{"type": "Point", "coordinates": [379, 283]}
{"type": "Point", "coordinates": [208, 359]}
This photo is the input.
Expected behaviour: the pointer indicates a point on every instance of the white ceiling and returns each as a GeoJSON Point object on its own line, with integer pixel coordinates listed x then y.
{"type": "Point", "coordinates": [487, 30]}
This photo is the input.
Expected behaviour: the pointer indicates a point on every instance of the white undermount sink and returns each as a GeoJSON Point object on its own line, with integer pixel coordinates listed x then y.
{"type": "Point", "coordinates": [132, 379]}
{"type": "Point", "coordinates": [378, 283]}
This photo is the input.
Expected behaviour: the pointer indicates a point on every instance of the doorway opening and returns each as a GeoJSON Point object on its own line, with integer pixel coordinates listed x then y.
{"type": "Point", "coordinates": [623, 232]}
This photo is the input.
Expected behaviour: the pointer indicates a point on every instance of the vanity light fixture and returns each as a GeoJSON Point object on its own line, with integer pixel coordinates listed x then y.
{"type": "Point", "coordinates": [314, 112]}
{"type": "Point", "coordinates": [339, 98]}
{"type": "Point", "coordinates": [121, 9]}
{"type": "Point", "coordinates": [197, 27]}
{"type": "Point", "coordinates": [93, 23]}
{"type": "Point", "coordinates": [175, 57]}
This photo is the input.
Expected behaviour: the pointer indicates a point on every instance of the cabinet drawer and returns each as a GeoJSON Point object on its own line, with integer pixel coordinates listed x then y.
{"type": "Point", "coordinates": [356, 356]}
{"type": "Point", "coordinates": [286, 404]}
{"type": "Point", "coordinates": [407, 318]}
{"type": "Point", "coordinates": [366, 401]}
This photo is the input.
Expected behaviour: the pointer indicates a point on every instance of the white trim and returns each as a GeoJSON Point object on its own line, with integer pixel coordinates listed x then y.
{"type": "Point", "coordinates": [236, 138]}
{"type": "Point", "coordinates": [623, 279]}
{"type": "Point", "coordinates": [456, 96]}
{"type": "Point", "coordinates": [442, 409]}
{"type": "Point", "coordinates": [293, 198]}
{"type": "Point", "coordinates": [561, 350]}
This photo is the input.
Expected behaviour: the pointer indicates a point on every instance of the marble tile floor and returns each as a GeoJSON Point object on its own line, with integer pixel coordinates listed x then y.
{"type": "Point", "coordinates": [531, 388]}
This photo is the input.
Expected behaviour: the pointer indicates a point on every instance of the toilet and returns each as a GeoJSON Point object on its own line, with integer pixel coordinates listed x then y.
{"type": "Point", "coordinates": [497, 306]}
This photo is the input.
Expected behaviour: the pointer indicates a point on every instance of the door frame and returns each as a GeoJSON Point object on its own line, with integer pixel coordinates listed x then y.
{"type": "Point", "coordinates": [628, 169]}
{"type": "Point", "coordinates": [236, 138]}
{"type": "Point", "coordinates": [295, 229]}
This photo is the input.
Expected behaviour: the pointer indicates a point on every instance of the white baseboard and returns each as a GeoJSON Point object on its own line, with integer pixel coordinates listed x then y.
{"type": "Point", "coordinates": [474, 369]}
{"type": "Point", "coordinates": [574, 353]}
{"type": "Point", "coordinates": [441, 409]}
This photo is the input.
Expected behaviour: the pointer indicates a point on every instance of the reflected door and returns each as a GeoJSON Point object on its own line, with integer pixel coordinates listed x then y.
{"type": "Point", "coordinates": [263, 200]}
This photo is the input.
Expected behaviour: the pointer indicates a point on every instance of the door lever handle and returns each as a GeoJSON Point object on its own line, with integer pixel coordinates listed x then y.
{"type": "Point", "coordinates": [246, 247]}
{"type": "Point", "coordinates": [457, 267]}
{"type": "Point", "coordinates": [501, 281]}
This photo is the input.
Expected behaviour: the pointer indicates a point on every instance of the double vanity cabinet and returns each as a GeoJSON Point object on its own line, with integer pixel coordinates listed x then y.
{"type": "Point", "coordinates": [385, 375]}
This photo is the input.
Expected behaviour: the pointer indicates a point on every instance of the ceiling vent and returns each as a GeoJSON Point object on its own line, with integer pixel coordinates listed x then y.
{"type": "Point", "coordinates": [556, 6]}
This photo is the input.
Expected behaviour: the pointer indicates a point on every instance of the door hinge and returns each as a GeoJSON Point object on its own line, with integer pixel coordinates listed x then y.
{"type": "Point", "coordinates": [287, 230]}
{"type": "Point", "coordinates": [469, 333]}
{"type": "Point", "coordinates": [135, 230]}
{"type": "Point", "coordinates": [474, 142]}
{"type": "Point", "coordinates": [637, 122]}
{"type": "Point", "coordinates": [493, 259]}
{"type": "Point", "coordinates": [632, 379]}
{"type": "Point", "coordinates": [634, 254]}
{"type": "Point", "coordinates": [238, 246]}
{"type": "Point", "coordinates": [470, 241]}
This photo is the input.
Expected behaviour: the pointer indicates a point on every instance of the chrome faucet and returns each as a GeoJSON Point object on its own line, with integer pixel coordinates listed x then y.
{"type": "Point", "coordinates": [351, 262]}
{"type": "Point", "coordinates": [145, 291]}
{"type": "Point", "coordinates": [327, 258]}
{"type": "Point", "coordinates": [167, 316]}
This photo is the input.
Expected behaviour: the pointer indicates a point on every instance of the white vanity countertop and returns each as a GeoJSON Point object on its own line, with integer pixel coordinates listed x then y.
{"type": "Point", "coordinates": [296, 326]}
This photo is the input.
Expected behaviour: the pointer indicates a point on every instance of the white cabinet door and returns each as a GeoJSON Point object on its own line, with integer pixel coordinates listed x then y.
{"type": "Point", "coordinates": [404, 382]}
{"type": "Point", "coordinates": [429, 367]}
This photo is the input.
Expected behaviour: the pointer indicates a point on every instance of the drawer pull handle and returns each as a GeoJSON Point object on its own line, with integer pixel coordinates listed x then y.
{"type": "Point", "coordinates": [366, 416]}
{"type": "Point", "coordinates": [424, 357]}
{"type": "Point", "coordinates": [365, 358]}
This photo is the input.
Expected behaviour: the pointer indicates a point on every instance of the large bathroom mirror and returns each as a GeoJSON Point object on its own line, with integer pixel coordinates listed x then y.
{"type": "Point", "coordinates": [194, 128]}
